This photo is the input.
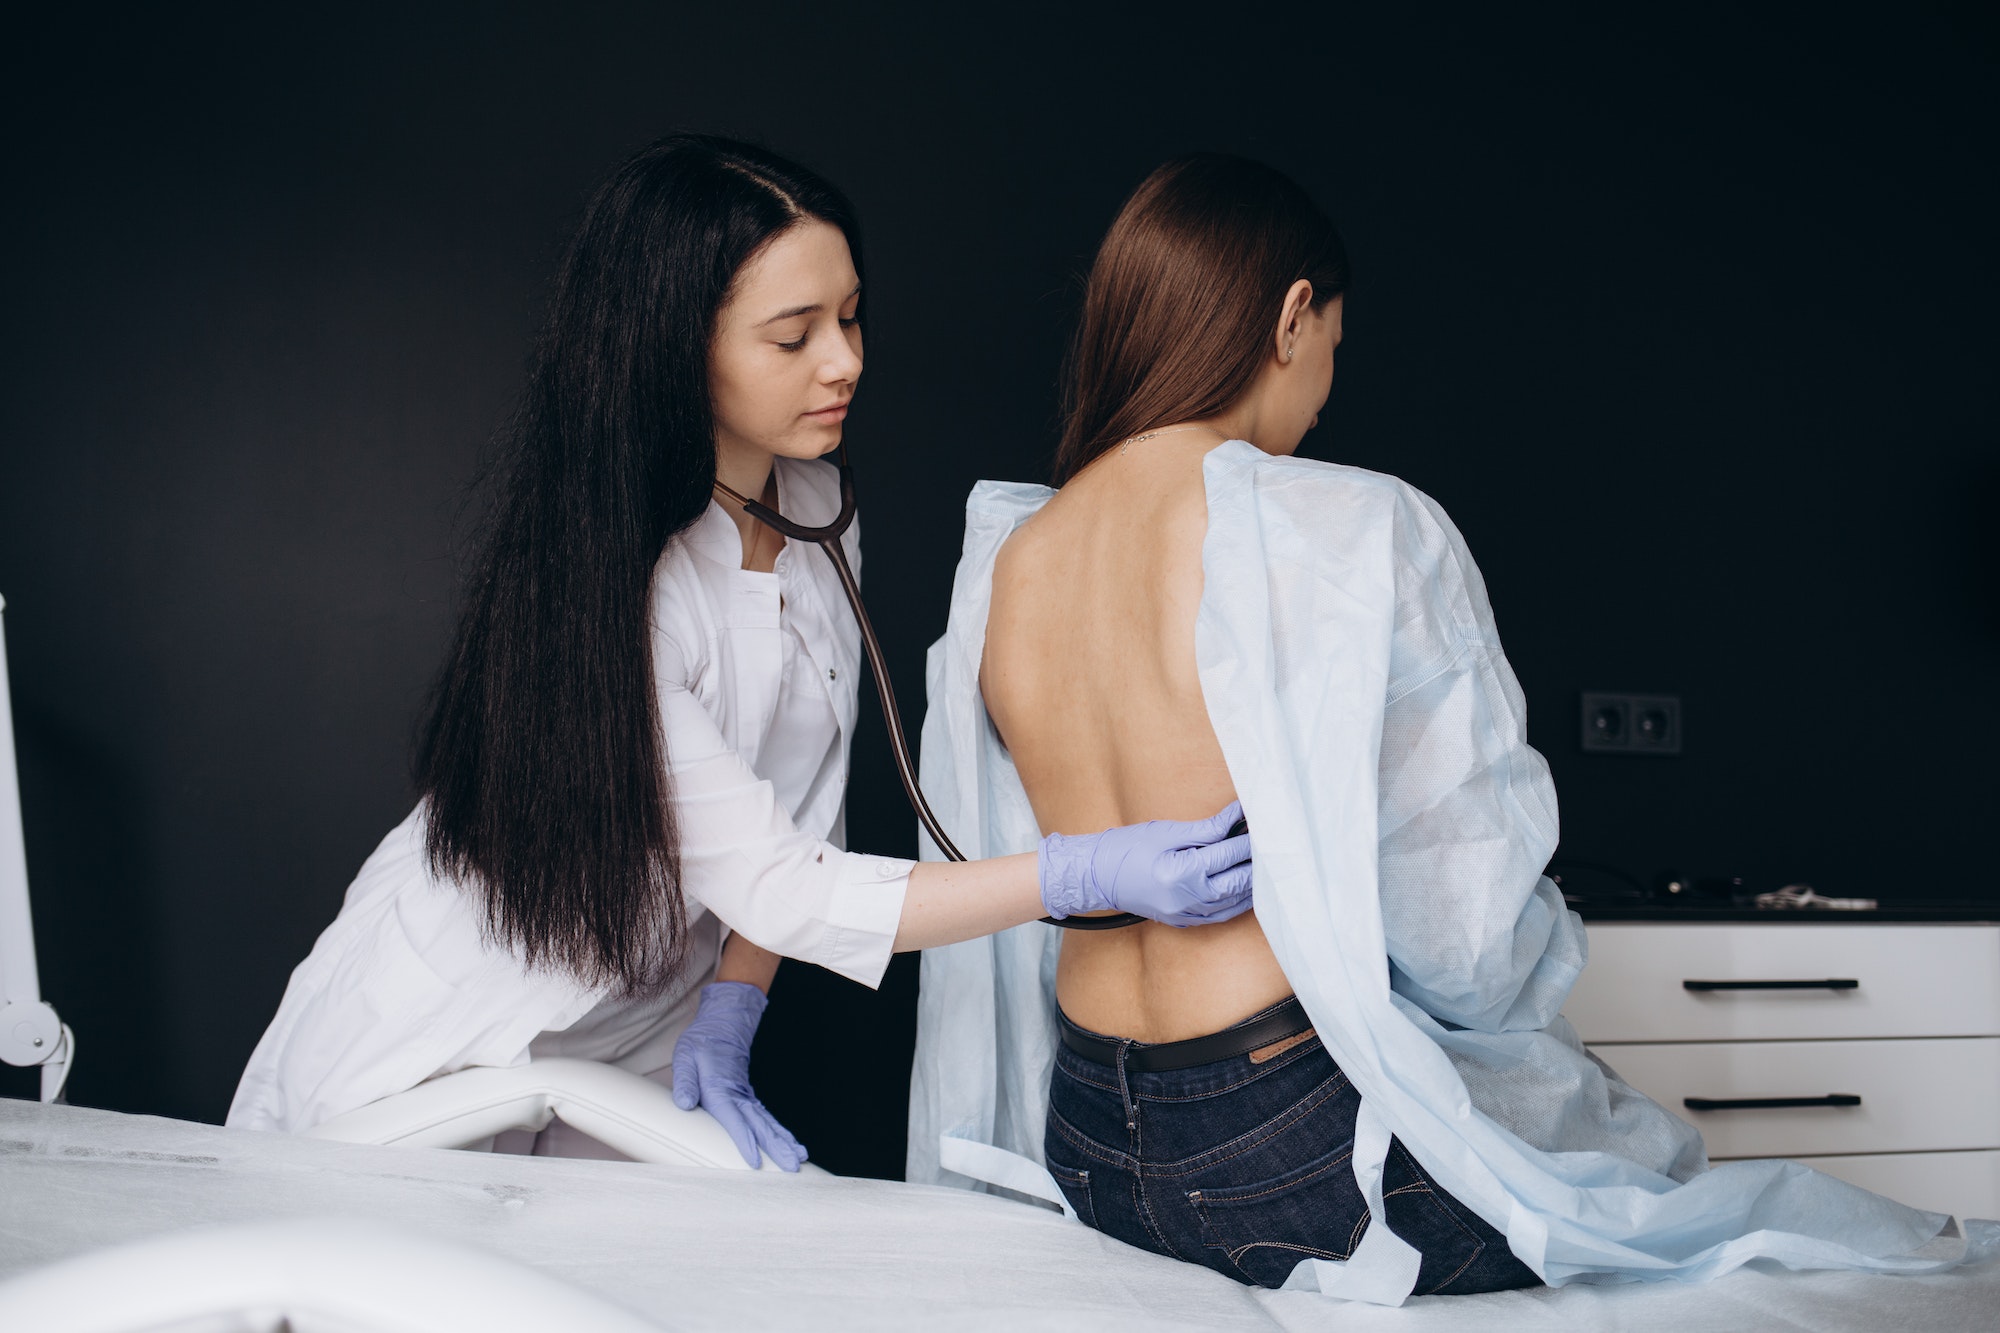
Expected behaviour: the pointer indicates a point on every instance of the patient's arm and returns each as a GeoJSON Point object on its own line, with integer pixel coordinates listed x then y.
{"type": "Point", "coordinates": [1468, 813]}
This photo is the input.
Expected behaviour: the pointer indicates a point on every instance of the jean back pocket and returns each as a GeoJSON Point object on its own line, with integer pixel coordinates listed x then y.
{"type": "Point", "coordinates": [1313, 1211]}
{"type": "Point", "coordinates": [1075, 1185]}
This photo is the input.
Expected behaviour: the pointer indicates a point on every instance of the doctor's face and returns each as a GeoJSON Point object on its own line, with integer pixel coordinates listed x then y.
{"type": "Point", "coordinates": [787, 349]}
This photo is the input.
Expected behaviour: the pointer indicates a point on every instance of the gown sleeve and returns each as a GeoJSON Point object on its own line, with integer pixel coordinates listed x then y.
{"type": "Point", "coordinates": [744, 860]}
{"type": "Point", "coordinates": [1477, 936]}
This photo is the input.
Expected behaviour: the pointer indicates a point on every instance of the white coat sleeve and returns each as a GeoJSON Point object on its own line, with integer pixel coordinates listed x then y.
{"type": "Point", "coordinates": [1476, 935]}
{"type": "Point", "coordinates": [744, 860]}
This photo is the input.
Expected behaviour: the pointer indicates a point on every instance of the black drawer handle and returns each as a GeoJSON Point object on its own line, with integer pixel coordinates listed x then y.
{"type": "Point", "coordinates": [1767, 1103]}
{"type": "Point", "coordinates": [1831, 983]}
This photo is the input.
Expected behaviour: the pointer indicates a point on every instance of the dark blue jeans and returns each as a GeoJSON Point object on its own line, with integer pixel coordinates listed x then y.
{"type": "Point", "coordinates": [1245, 1167]}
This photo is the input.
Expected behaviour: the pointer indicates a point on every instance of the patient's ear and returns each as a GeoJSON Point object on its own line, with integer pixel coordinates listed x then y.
{"type": "Point", "coordinates": [1291, 320]}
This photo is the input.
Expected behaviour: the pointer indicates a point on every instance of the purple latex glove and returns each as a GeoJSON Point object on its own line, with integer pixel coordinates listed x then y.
{"type": "Point", "coordinates": [712, 1069]}
{"type": "Point", "coordinates": [1185, 874]}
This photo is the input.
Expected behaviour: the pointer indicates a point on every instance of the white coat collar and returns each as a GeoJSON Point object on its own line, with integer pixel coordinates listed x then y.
{"type": "Point", "coordinates": [808, 492]}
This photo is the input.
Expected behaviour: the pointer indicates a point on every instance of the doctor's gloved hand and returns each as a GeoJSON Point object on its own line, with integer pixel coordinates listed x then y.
{"type": "Point", "coordinates": [712, 1070]}
{"type": "Point", "coordinates": [1185, 874]}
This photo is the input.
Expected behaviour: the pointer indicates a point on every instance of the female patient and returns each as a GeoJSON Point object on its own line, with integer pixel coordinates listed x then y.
{"type": "Point", "coordinates": [1197, 615]}
{"type": "Point", "coordinates": [1179, 1043]}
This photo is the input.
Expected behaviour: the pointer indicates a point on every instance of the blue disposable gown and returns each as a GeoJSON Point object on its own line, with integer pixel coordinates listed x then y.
{"type": "Point", "coordinates": [1375, 733]}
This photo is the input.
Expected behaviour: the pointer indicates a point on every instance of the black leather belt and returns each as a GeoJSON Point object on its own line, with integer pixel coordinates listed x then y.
{"type": "Point", "coordinates": [1284, 1019]}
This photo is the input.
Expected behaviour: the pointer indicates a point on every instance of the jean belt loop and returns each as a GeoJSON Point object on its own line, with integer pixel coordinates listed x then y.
{"type": "Point", "coordinates": [1125, 1087]}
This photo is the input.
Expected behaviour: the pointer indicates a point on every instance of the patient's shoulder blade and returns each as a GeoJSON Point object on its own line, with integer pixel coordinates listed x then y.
{"type": "Point", "coordinates": [1088, 666]}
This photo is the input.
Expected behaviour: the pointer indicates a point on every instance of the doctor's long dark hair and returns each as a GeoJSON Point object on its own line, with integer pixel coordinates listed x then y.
{"type": "Point", "coordinates": [1183, 297]}
{"type": "Point", "coordinates": [542, 763]}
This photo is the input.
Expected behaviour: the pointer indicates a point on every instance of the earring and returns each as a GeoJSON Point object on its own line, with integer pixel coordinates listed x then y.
{"type": "Point", "coordinates": [1288, 354]}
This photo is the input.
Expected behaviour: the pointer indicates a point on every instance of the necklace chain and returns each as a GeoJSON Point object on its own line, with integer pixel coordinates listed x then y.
{"type": "Point", "coordinates": [1131, 440]}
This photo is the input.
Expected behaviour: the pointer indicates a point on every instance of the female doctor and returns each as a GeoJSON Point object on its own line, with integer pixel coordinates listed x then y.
{"type": "Point", "coordinates": [633, 772]}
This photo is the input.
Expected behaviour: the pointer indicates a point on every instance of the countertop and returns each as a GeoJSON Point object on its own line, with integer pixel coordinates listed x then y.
{"type": "Point", "coordinates": [1615, 909]}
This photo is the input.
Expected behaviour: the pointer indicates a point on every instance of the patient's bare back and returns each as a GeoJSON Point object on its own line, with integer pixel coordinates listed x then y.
{"type": "Point", "coordinates": [1089, 674]}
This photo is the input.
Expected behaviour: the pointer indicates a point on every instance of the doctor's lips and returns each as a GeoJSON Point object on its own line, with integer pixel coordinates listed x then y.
{"type": "Point", "coordinates": [836, 412]}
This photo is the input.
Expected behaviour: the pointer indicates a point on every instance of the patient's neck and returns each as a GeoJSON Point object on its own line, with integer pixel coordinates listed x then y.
{"type": "Point", "coordinates": [1259, 416]}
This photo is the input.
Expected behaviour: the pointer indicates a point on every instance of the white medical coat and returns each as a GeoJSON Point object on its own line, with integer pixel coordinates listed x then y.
{"type": "Point", "coordinates": [756, 674]}
{"type": "Point", "coordinates": [1351, 669]}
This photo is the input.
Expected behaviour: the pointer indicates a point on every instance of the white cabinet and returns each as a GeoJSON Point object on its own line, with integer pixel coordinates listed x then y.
{"type": "Point", "coordinates": [1870, 1051]}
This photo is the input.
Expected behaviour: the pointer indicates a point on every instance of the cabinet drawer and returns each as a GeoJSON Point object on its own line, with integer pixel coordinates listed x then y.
{"type": "Point", "coordinates": [1916, 1096]}
{"type": "Point", "coordinates": [1965, 1184]}
{"type": "Point", "coordinates": [1907, 981]}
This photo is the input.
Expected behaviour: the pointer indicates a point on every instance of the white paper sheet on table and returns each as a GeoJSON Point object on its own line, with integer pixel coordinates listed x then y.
{"type": "Point", "coordinates": [690, 1248]}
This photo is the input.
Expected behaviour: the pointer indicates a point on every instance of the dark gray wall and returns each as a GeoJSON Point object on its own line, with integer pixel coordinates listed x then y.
{"type": "Point", "coordinates": [1686, 317]}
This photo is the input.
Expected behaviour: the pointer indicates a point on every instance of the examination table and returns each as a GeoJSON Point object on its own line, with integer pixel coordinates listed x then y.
{"type": "Point", "coordinates": [267, 1231]}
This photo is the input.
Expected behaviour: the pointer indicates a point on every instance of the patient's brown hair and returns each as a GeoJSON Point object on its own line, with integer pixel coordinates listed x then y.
{"type": "Point", "coordinates": [1183, 296]}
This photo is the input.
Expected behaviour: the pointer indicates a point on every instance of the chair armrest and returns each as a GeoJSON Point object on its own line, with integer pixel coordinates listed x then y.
{"type": "Point", "coordinates": [619, 1109]}
{"type": "Point", "coordinates": [306, 1274]}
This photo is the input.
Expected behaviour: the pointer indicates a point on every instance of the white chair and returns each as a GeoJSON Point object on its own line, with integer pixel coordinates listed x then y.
{"type": "Point", "coordinates": [621, 1110]}
{"type": "Point", "coordinates": [306, 1277]}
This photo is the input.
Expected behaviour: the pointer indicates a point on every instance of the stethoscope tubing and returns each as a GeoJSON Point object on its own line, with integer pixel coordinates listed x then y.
{"type": "Point", "coordinates": [827, 538]}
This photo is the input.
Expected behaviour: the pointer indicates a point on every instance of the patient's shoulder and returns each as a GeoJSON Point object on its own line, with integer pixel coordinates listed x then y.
{"type": "Point", "coordinates": [1313, 479]}
{"type": "Point", "coordinates": [1003, 504]}
{"type": "Point", "coordinates": [1019, 550]}
{"type": "Point", "coordinates": [1346, 517]}
{"type": "Point", "coordinates": [1108, 533]}
{"type": "Point", "coordinates": [1432, 566]}
{"type": "Point", "coordinates": [1331, 497]}
{"type": "Point", "coordinates": [1028, 555]}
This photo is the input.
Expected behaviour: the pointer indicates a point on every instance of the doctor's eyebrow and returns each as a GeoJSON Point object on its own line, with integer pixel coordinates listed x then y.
{"type": "Point", "coordinates": [797, 310]}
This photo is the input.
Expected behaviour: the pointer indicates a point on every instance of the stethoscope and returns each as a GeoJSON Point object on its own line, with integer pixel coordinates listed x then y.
{"type": "Point", "coordinates": [827, 538]}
